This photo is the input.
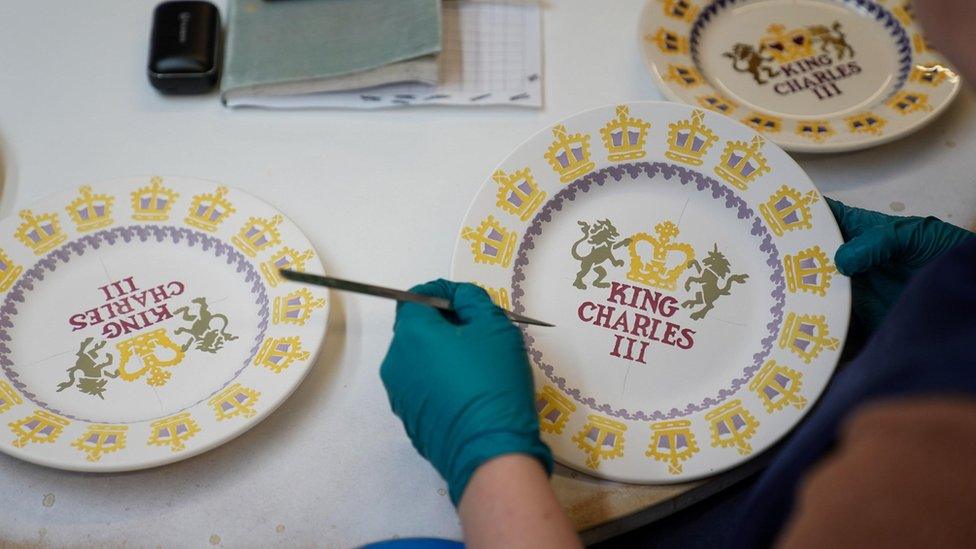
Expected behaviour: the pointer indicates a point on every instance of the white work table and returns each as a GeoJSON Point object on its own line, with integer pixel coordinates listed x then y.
{"type": "Point", "coordinates": [381, 196]}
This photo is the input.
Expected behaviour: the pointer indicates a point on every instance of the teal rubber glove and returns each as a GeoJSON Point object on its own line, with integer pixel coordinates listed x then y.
{"type": "Point", "coordinates": [881, 252]}
{"type": "Point", "coordinates": [461, 383]}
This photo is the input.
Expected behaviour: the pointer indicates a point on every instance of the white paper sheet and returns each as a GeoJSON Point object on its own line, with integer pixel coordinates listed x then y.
{"type": "Point", "coordinates": [492, 55]}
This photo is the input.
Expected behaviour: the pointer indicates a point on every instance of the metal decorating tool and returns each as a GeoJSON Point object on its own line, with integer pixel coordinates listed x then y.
{"type": "Point", "coordinates": [390, 293]}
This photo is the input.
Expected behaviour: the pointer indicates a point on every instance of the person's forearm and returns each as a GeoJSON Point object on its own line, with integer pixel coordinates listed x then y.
{"type": "Point", "coordinates": [509, 503]}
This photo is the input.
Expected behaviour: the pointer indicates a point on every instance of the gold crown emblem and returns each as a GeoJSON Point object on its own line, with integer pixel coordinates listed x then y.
{"type": "Point", "coordinates": [685, 75]}
{"type": "Point", "coordinates": [765, 123]}
{"type": "Point", "coordinates": [569, 154]}
{"type": "Point", "coordinates": [906, 102]}
{"type": "Point", "coordinates": [921, 44]}
{"type": "Point", "coordinates": [285, 258]}
{"type": "Point", "coordinates": [278, 353]}
{"type": "Point", "coordinates": [866, 122]}
{"type": "Point", "coordinates": [296, 307]}
{"type": "Point", "coordinates": [931, 75]}
{"type": "Point", "coordinates": [8, 397]}
{"type": "Point", "coordinates": [905, 12]}
{"type": "Point", "coordinates": [518, 192]}
{"type": "Point", "coordinates": [499, 296]}
{"type": "Point", "coordinates": [98, 440]}
{"type": "Point", "coordinates": [553, 410]}
{"type": "Point", "coordinates": [601, 438]}
{"type": "Point", "coordinates": [490, 242]}
{"type": "Point", "coordinates": [786, 46]}
{"type": "Point", "coordinates": [625, 136]}
{"type": "Point", "coordinates": [806, 336]}
{"type": "Point", "coordinates": [41, 233]}
{"type": "Point", "coordinates": [257, 235]}
{"type": "Point", "coordinates": [668, 259]}
{"type": "Point", "coordinates": [173, 431]}
{"type": "Point", "coordinates": [788, 210]}
{"type": "Point", "coordinates": [778, 386]}
{"type": "Point", "coordinates": [145, 347]}
{"type": "Point", "coordinates": [682, 10]}
{"type": "Point", "coordinates": [209, 210]}
{"type": "Point", "coordinates": [153, 202]}
{"type": "Point", "coordinates": [818, 130]}
{"type": "Point", "coordinates": [717, 103]}
{"type": "Point", "coordinates": [808, 271]}
{"type": "Point", "coordinates": [689, 140]}
{"type": "Point", "coordinates": [668, 42]}
{"type": "Point", "coordinates": [40, 427]}
{"type": "Point", "coordinates": [8, 272]}
{"type": "Point", "coordinates": [672, 442]}
{"type": "Point", "coordinates": [732, 425]}
{"type": "Point", "coordinates": [234, 401]}
{"type": "Point", "coordinates": [91, 211]}
{"type": "Point", "coordinates": [742, 163]}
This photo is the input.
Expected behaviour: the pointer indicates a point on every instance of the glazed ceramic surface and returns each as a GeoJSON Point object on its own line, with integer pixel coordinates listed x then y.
{"type": "Point", "coordinates": [811, 75]}
{"type": "Point", "coordinates": [143, 321]}
{"type": "Point", "coordinates": [687, 264]}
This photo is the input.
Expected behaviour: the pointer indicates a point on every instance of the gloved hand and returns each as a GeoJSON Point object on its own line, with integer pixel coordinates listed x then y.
{"type": "Point", "coordinates": [880, 253]}
{"type": "Point", "coordinates": [461, 383]}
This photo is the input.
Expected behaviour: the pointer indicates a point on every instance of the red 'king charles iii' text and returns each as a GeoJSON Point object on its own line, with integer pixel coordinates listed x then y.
{"type": "Point", "coordinates": [127, 308]}
{"type": "Point", "coordinates": [637, 329]}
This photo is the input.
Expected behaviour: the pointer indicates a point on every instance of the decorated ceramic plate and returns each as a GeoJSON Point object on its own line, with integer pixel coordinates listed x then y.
{"type": "Point", "coordinates": [143, 321]}
{"type": "Point", "coordinates": [811, 75]}
{"type": "Point", "coordinates": [686, 263]}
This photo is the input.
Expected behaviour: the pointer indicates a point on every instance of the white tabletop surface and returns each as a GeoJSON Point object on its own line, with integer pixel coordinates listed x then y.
{"type": "Point", "coordinates": [381, 196]}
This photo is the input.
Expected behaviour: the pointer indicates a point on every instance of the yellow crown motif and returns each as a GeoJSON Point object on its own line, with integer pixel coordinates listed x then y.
{"type": "Point", "coordinates": [808, 271]}
{"type": "Point", "coordinates": [499, 296]}
{"type": "Point", "coordinates": [285, 258]}
{"type": "Point", "coordinates": [518, 193]}
{"type": "Point", "coordinates": [490, 242]}
{"type": "Point", "coordinates": [717, 103]}
{"type": "Point", "coordinates": [668, 259]}
{"type": "Point", "coordinates": [98, 440]}
{"type": "Point", "coordinates": [732, 425]}
{"type": "Point", "coordinates": [8, 271]}
{"type": "Point", "coordinates": [173, 431]}
{"type": "Point", "coordinates": [742, 163]}
{"type": "Point", "coordinates": [689, 140]}
{"type": "Point", "coordinates": [144, 347]}
{"type": "Point", "coordinates": [921, 44]}
{"type": "Point", "coordinates": [601, 438]}
{"type": "Point", "coordinates": [625, 136]}
{"type": "Point", "coordinates": [682, 10]}
{"type": "Point", "coordinates": [8, 397]}
{"type": "Point", "coordinates": [806, 336]}
{"type": "Point", "coordinates": [569, 154]}
{"type": "Point", "coordinates": [764, 123]}
{"type": "Point", "coordinates": [778, 386]}
{"type": "Point", "coordinates": [553, 409]}
{"type": "Point", "coordinates": [154, 202]}
{"type": "Point", "coordinates": [906, 102]}
{"type": "Point", "coordinates": [905, 12]}
{"type": "Point", "coordinates": [818, 130]}
{"type": "Point", "coordinates": [257, 235]}
{"type": "Point", "coordinates": [91, 211]}
{"type": "Point", "coordinates": [234, 401]}
{"type": "Point", "coordinates": [672, 442]}
{"type": "Point", "coordinates": [209, 210]}
{"type": "Point", "coordinates": [931, 75]}
{"type": "Point", "coordinates": [786, 46]}
{"type": "Point", "coordinates": [41, 233]}
{"type": "Point", "coordinates": [788, 210]}
{"type": "Point", "coordinates": [278, 353]}
{"type": "Point", "coordinates": [41, 427]}
{"type": "Point", "coordinates": [296, 307]}
{"type": "Point", "coordinates": [685, 75]}
{"type": "Point", "coordinates": [866, 122]}
{"type": "Point", "coordinates": [668, 41]}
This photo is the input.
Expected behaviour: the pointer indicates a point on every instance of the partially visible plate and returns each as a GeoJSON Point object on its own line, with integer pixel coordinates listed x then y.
{"type": "Point", "coordinates": [687, 265]}
{"type": "Point", "coordinates": [813, 76]}
{"type": "Point", "coordinates": [143, 321]}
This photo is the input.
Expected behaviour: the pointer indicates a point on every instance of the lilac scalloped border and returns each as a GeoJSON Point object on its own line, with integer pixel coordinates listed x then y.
{"type": "Point", "coordinates": [109, 237]}
{"type": "Point", "coordinates": [702, 183]}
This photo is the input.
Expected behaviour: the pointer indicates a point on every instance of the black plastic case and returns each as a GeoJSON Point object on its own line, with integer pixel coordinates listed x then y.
{"type": "Point", "coordinates": [184, 50]}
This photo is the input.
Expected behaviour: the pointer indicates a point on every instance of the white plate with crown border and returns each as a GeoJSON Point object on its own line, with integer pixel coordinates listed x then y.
{"type": "Point", "coordinates": [143, 321]}
{"type": "Point", "coordinates": [815, 76]}
{"type": "Point", "coordinates": [692, 381]}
